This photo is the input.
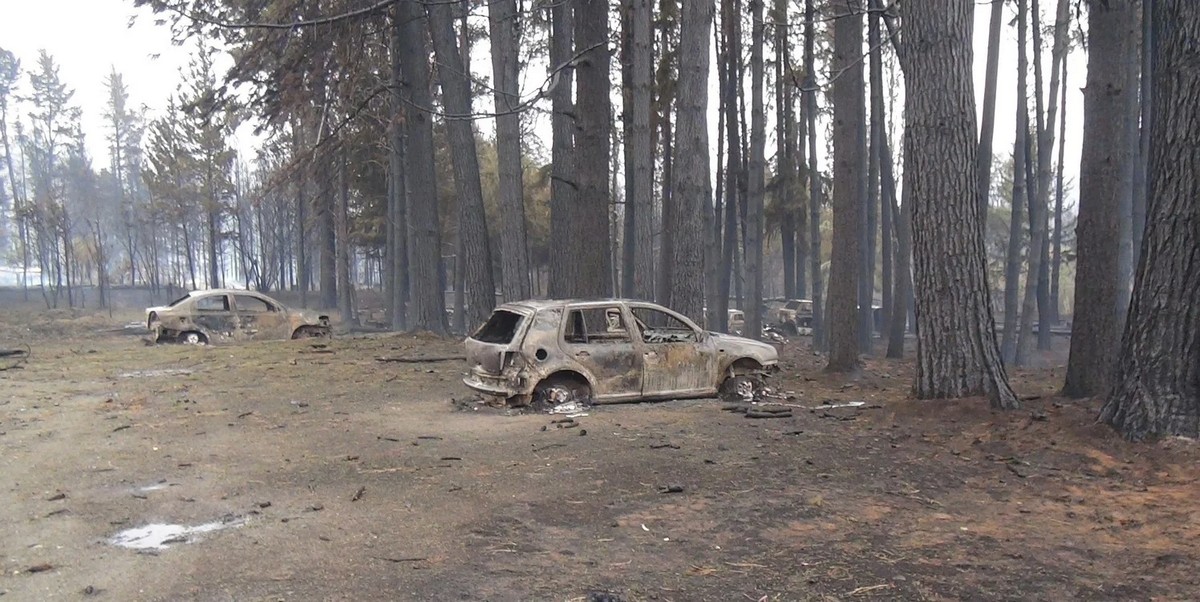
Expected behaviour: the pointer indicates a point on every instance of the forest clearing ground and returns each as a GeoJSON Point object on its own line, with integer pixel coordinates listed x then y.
{"type": "Point", "coordinates": [336, 476]}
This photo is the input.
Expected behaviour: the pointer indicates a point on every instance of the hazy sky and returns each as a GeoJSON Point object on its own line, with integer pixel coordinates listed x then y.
{"type": "Point", "coordinates": [88, 38]}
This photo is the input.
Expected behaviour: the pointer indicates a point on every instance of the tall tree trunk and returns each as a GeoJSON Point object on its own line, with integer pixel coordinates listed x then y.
{"type": "Point", "coordinates": [1094, 329]}
{"type": "Point", "coordinates": [1146, 106]}
{"type": "Point", "coordinates": [878, 158]}
{"type": "Point", "coordinates": [785, 168]}
{"type": "Point", "coordinates": [345, 252]}
{"type": "Point", "coordinates": [1125, 261]}
{"type": "Point", "coordinates": [475, 262]}
{"type": "Point", "coordinates": [666, 90]}
{"type": "Point", "coordinates": [324, 208]}
{"type": "Point", "coordinates": [641, 138]}
{"type": "Point", "coordinates": [957, 355]}
{"type": "Point", "coordinates": [819, 336]}
{"type": "Point", "coordinates": [1039, 276]}
{"type": "Point", "coordinates": [428, 302]}
{"type": "Point", "coordinates": [397, 249]}
{"type": "Point", "coordinates": [563, 187]}
{"type": "Point", "coordinates": [1056, 261]}
{"type": "Point", "coordinates": [902, 301]}
{"type": "Point", "coordinates": [757, 172]}
{"type": "Point", "coordinates": [729, 71]}
{"type": "Point", "coordinates": [1012, 266]}
{"type": "Point", "coordinates": [690, 179]}
{"type": "Point", "coordinates": [849, 165]}
{"type": "Point", "coordinates": [302, 170]}
{"type": "Point", "coordinates": [514, 252]}
{"type": "Point", "coordinates": [593, 273]}
{"type": "Point", "coordinates": [1156, 388]}
{"type": "Point", "coordinates": [983, 164]}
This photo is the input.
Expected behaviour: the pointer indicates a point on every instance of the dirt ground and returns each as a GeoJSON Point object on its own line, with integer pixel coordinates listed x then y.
{"type": "Point", "coordinates": [321, 473]}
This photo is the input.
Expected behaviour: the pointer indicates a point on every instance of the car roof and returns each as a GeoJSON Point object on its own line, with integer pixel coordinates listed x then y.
{"type": "Point", "coordinates": [536, 304]}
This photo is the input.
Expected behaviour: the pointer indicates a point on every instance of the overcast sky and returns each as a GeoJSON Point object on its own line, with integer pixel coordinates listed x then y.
{"type": "Point", "coordinates": [88, 38]}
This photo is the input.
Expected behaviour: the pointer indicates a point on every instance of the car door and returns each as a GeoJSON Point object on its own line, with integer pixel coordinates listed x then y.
{"type": "Point", "coordinates": [599, 340]}
{"type": "Point", "coordinates": [677, 359]}
{"type": "Point", "coordinates": [214, 315]}
{"type": "Point", "coordinates": [259, 318]}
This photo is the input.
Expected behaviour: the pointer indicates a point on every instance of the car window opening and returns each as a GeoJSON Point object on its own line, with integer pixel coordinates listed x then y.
{"type": "Point", "coordinates": [596, 325]}
{"type": "Point", "coordinates": [500, 328]}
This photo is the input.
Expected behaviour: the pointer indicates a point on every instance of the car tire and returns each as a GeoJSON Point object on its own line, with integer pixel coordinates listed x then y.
{"type": "Point", "coordinates": [558, 390]}
{"type": "Point", "coordinates": [193, 338]}
{"type": "Point", "coordinates": [741, 388]}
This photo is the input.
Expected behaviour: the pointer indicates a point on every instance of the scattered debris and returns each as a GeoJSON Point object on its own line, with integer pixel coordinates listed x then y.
{"type": "Point", "coordinates": [570, 407]}
{"type": "Point", "coordinates": [156, 373]}
{"type": "Point", "coordinates": [663, 446]}
{"type": "Point", "coordinates": [603, 597]}
{"type": "Point", "coordinates": [58, 496]}
{"type": "Point", "coordinates": [358, 494]}
{"type": "Point", "coordinates": [40, 568]}
{"type": "Point", "coordinates": [158, 536]}
{"type": "Point", "coordinates": [671, 489]}
{"type": "Point", "coordinates": [16, 357]}
{"type": "Point", "coordinates": [399, 560]}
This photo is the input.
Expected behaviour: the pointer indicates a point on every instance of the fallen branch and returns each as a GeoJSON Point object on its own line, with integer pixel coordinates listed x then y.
{"type": "Point", "coordinates": [864, 590]}
{"type": "Point", "coordinates": [422, 360]}
{"type": "Point", "coordinates": [17, 356]}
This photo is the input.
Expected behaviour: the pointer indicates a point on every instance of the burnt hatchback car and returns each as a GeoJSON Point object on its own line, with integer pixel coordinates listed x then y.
{"type": "Point", "coordinates": [551, 352]}
{"type": "Point", "coordinates": [219, 315]}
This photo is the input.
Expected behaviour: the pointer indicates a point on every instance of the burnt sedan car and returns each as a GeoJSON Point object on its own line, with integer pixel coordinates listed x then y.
{"type": "Point", "coordinates": [551, 352]}
{"type": "Point", "coordinates": [219, 315]}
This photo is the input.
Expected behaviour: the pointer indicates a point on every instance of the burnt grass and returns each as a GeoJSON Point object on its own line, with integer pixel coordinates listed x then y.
{"type": "Point", "coordinates": [361, 479]}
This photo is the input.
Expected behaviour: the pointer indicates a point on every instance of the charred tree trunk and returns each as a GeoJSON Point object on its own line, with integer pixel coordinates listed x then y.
{"type": "Point", "coordinates": [514, 254]}
{"type": "Point", "coordinates": [730, 74]}
{"type": "Point", "coordinates": [878, 157]}
{"type": "Point", "coordinates": [983, 164]}
{"type": "Point", "coordinates": [902, 298]}
{"type": "Point", "coordinates": [1012, 268]}
{"type": "Point", "coordinates": [397, 249]}
{"type": "Point", "coordinates": [428, 302]}
{"type": "Point", "coordinates": [819, 336]}
{"type": "Point", "coordinates": [475, 260]}
{"type": "Point", "coordinates": [957, 355]}
{"type": "Point", "coordinates": [641, 198]}
{"type": "Point", "coordinates": [1094, 328]}
{"type": "Point", "coordinates": [1056, 260]}
{"type": "Point", "coordinates": [849, 163]}
{"type": "Point", "coordinates": [563, 187]}
{"type": "Point", "coordinates": [593, 273]}
{"type": "Point", "coordinates": [690, 183]}
{"type": "Point", "coordinates": [345, 251]}
{"type": "Point", "coordinates": [757, 177]}
{"type": "Point", "coordinates": [324, 208]}
{"type": "Point", "coordinates": [785, 166]}
{"type": "Point", "coordinates": [1156, 389]}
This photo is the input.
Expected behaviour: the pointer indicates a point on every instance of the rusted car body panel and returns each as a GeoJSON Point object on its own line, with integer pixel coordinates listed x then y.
{"type": "Point", "coordinates": [224, 315]}
{"type": "Point", "coordinates": [623, 350]}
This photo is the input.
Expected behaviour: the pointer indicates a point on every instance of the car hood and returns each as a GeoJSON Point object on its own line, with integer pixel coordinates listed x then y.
{"type": "Point", "coordinates": [762, 352]}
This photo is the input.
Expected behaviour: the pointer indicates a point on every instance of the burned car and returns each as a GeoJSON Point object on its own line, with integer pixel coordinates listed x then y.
{"type": "Point", "coordinates": [794, 316]}
{"type": "Point", "coordinates": [552, 352]}
{"type": "Point", "coordinates": [202, 317]}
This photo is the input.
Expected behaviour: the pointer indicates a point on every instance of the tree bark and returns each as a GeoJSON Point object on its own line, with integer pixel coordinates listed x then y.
{"type": "Point", "coordinates": [983, 164]}
{"type": "Point", "coordinates": [819, 336]}
{"type": "Point", "coordinates": [514, 253]}
{"type": "Point", "coordinates": [957, 355]}
{"type": "Point", "coordinates": [641, 198]}
{"type": "Point", "coordinates": [1094, 330]}
{"type": "Point", "coordinates": [475, 262]}
{"type": "Point", "coordinates": [1056, 260]}
{"type": "Point", "coordinates": [397, 250]}
{"type": "Point", "coordinates": [1156, 389]}
{"type": "Point", "coordinates": [849, 165]}
{"type": "Point", "coordinates": [878, 157]}
{"type": "Point", "coordinates": [563, 187]}
{"type": "Point", "coordinates": [1012, 266]}
{"type": "Point", "coordinates": [427, 310]}
{"type": "Point", "coordinates": [690, 180]}
{"type": "Point", "coordinates": [593, 272]}
{"type": "Point", "coordinates": [757, 179]}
